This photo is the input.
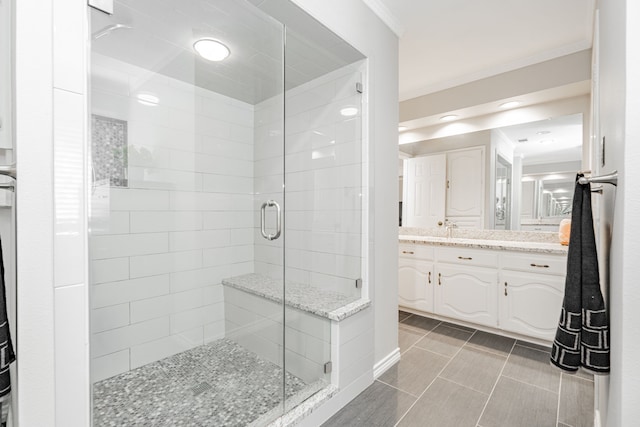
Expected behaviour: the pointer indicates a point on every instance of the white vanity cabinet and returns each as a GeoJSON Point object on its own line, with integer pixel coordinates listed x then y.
{"type": "Point", "coordinates": [513, 291]}
{"type": "Point", "coordinates": [466, 285]}
{"type": "Point", "coordinates": [531, 293]}
{"type": "Point", "coordinates": [415, 277]}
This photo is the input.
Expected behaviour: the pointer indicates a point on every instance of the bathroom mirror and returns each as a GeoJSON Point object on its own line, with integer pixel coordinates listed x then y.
{"type": "Point", "coordinates": [503, 178]}
{"type": "Point", "coordinates": [528, 170]}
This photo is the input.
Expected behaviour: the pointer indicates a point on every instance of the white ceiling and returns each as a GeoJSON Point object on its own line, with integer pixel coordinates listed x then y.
{"type": "Point", "coordinates": [161, 35]}
{"type": "Point", "coordinates": [446, 43]}
{"type": "Point", "coordinates": [547, 141]}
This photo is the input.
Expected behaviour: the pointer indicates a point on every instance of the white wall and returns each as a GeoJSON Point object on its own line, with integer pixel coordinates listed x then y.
{"type": "Point", "coordinates": [50, 107]}
{"type": "Point", "coordinates": [619, 107]}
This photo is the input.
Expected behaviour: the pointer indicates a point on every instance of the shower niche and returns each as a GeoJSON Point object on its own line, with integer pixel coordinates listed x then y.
{"type": "Point", "coordinates": [226, 213]}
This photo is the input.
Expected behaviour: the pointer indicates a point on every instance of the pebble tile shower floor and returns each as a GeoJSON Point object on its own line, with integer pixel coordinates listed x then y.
{"type": "Point", "coordinates": [217, 384]}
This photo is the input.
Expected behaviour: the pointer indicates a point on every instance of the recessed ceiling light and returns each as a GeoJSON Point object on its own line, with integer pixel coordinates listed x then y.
{"type": "Point", "coordinates": [149, 99]}
{"type": "Point", "coordinates": [349, 111]}
{"type": "Point", "coordinates": [211, 49]}
{"type": "Point", "coordinates": [448, 117]}
{"type": "Point", "coordinates": [509, 104]}
{"type": "Point", "coordinates": [402, 128]}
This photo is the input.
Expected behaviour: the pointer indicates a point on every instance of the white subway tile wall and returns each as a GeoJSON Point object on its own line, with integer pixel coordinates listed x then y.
{"type": "Point", "coordinates": [322, 160]}
{"type": "Point", "coordinates": [160, 248]}
{"type": "Point", "coordinates": [200, 166]}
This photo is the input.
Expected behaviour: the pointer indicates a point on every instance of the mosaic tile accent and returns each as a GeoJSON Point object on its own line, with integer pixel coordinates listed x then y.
{"type": "Point", "coordinates": [217, 384]}
{"type": "Point", "coordinates": [109, 150]}
{"type": "Point", "coordinates": [321, 302]}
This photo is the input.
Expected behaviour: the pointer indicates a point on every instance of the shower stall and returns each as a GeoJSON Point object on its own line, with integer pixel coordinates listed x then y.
{"type": "Point", "coordinates": [226, 210]}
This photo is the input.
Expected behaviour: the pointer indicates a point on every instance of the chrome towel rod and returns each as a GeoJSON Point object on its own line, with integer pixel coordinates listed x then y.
{"type": "Point", "coordinates": [611, 178]}
{"type": "Point", "coordinates": [8, 170]}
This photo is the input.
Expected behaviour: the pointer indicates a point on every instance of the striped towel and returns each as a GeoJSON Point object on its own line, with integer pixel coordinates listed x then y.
{"type": "Point", "coordinates": [7, 356]}
{"type": "Point", "coordinates": [582, 337]}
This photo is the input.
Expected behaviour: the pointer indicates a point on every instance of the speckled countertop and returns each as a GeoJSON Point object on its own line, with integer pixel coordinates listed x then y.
{"type": "Point", "coordinates": [505, 245]}
{"type": "Point", "coordinates": [321, 302]}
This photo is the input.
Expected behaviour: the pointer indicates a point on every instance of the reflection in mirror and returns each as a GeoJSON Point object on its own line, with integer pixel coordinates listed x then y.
{"type": "Point", "coordinates": [551, 152]}
{"type": "Point", "coordinates": [529, 171]}
{"type": "Point", "coordinates": [502, 219]}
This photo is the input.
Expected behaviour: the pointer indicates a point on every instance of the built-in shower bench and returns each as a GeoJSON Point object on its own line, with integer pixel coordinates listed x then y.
{"type": "Point", "coordinates": [324, 303]}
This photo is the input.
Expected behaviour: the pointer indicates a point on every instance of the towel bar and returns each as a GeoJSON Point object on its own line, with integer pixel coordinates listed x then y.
{"type": "Point", "coordinates": [611, 178]}
{"type": "Point", "coordinates": [8, 170]}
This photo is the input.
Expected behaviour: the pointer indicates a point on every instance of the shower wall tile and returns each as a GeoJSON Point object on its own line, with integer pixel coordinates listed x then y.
{"type": "Point", "coordinates": [114, 222]}
{"type": "Point", "coordinates": [113, 293]}
{"type": "Point", "coordinates": [107, 366]}
{"type": "Point", "coordinates": [109, 270]}
{"type": "Point", "coordinates": [124, 199]}
{"type": "Point", "coordinates": [146, 222]}
{"type": "Point", "coordinates": [114, 340]}
{"type": "Point", "coordinates": [119, 245]}
{"type": "Point", "coordinates": [165, 347]}
{"type": "Point", "coordinates": [112, 317]}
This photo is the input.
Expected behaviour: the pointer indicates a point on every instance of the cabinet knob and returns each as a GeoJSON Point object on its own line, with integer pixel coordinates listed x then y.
{"type": "Point", "coordinates": [540, 265]}
{"type": "Point", "coordinates": [439, 223]}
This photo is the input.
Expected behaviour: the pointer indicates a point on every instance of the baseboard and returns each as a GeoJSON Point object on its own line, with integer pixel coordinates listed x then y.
{"type": "Point", "coordinates": [387, 362]}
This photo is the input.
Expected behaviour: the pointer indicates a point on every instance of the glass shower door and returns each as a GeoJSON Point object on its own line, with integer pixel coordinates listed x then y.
{"type": "Point", "coordinates": [186, 291]}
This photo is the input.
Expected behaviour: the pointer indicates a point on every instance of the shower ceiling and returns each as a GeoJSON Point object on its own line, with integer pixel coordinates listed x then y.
{"type": "Point", "coordinates": [163, 33]}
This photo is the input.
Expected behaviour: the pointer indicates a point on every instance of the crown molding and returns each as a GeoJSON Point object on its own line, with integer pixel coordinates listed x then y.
{"type": "Point", "coordinates": [378, 7]}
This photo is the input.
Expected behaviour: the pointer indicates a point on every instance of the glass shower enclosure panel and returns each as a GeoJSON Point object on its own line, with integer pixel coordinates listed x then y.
{"type": "Point", "coordinates": [187, 103]}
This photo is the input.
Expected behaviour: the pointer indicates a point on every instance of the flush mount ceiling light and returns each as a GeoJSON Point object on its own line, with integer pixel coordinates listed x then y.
{"type": "Point", "coordinates": [148, 99]}
{"type": "Point", "coordinates": [509, 104]}
{"type": "Point", "coordinates": [349, 111]}
{"type": "Point", "coordinates": [211, 49]}
{"type": "Point", "coordinates": [448, 117]}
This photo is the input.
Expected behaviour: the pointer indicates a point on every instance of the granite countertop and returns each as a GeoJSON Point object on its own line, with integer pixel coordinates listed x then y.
{"type": "Point", "coordinates": [505, 245]}
{"type": "Point", "coordinates": [321, 302]}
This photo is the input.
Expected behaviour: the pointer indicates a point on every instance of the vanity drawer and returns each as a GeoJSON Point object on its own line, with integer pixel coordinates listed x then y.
{"type": "Point", "coordinates": [535, 263]}
{"type": "Point", "coordinates": [480, 257]}
{"type": "Point", "coordinates": [416, 251]}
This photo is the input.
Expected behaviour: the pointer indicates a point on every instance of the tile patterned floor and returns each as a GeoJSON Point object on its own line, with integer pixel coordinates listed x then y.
{"type": "Point", "coordinates": [217, 384]}
{"type": "Point", "coordinates": [453, 376]}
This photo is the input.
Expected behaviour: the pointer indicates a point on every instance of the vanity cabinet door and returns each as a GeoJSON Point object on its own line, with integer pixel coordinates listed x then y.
{"type": "Point", "coordinates": [530, 303]}
{"type": "Point", "coordinates": [415, 284]}
{"type": "Point", "coordinates": [466, 293]}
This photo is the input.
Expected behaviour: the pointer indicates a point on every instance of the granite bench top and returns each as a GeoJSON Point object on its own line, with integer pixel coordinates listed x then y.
{"type": "Point", "coordinates": [323, 303]}
{"type": "Point", "coordinates": [505, 245]}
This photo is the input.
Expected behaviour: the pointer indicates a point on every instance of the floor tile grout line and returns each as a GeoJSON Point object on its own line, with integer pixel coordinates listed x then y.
{"type": "Point", "coordinates": [529, 384]}
{"type": "Point", "coordinates": [462, 385]}
{"type": "Point", "coordinates": [479, 347]}
{"type": "Point", "coordinates": [496, 383]}
{"type": "Point", "coordinates": [434, 379]}
{"type": "Point", "coordinates": [419, 339]}
{"type": "Point", "coordinates": [559, 397]}
{"type": "Point", "coordinates": [399, 389]}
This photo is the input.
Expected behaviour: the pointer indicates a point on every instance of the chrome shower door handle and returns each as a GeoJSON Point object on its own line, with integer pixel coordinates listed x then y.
{"type": "Point", "coordinates": [263, 209]}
